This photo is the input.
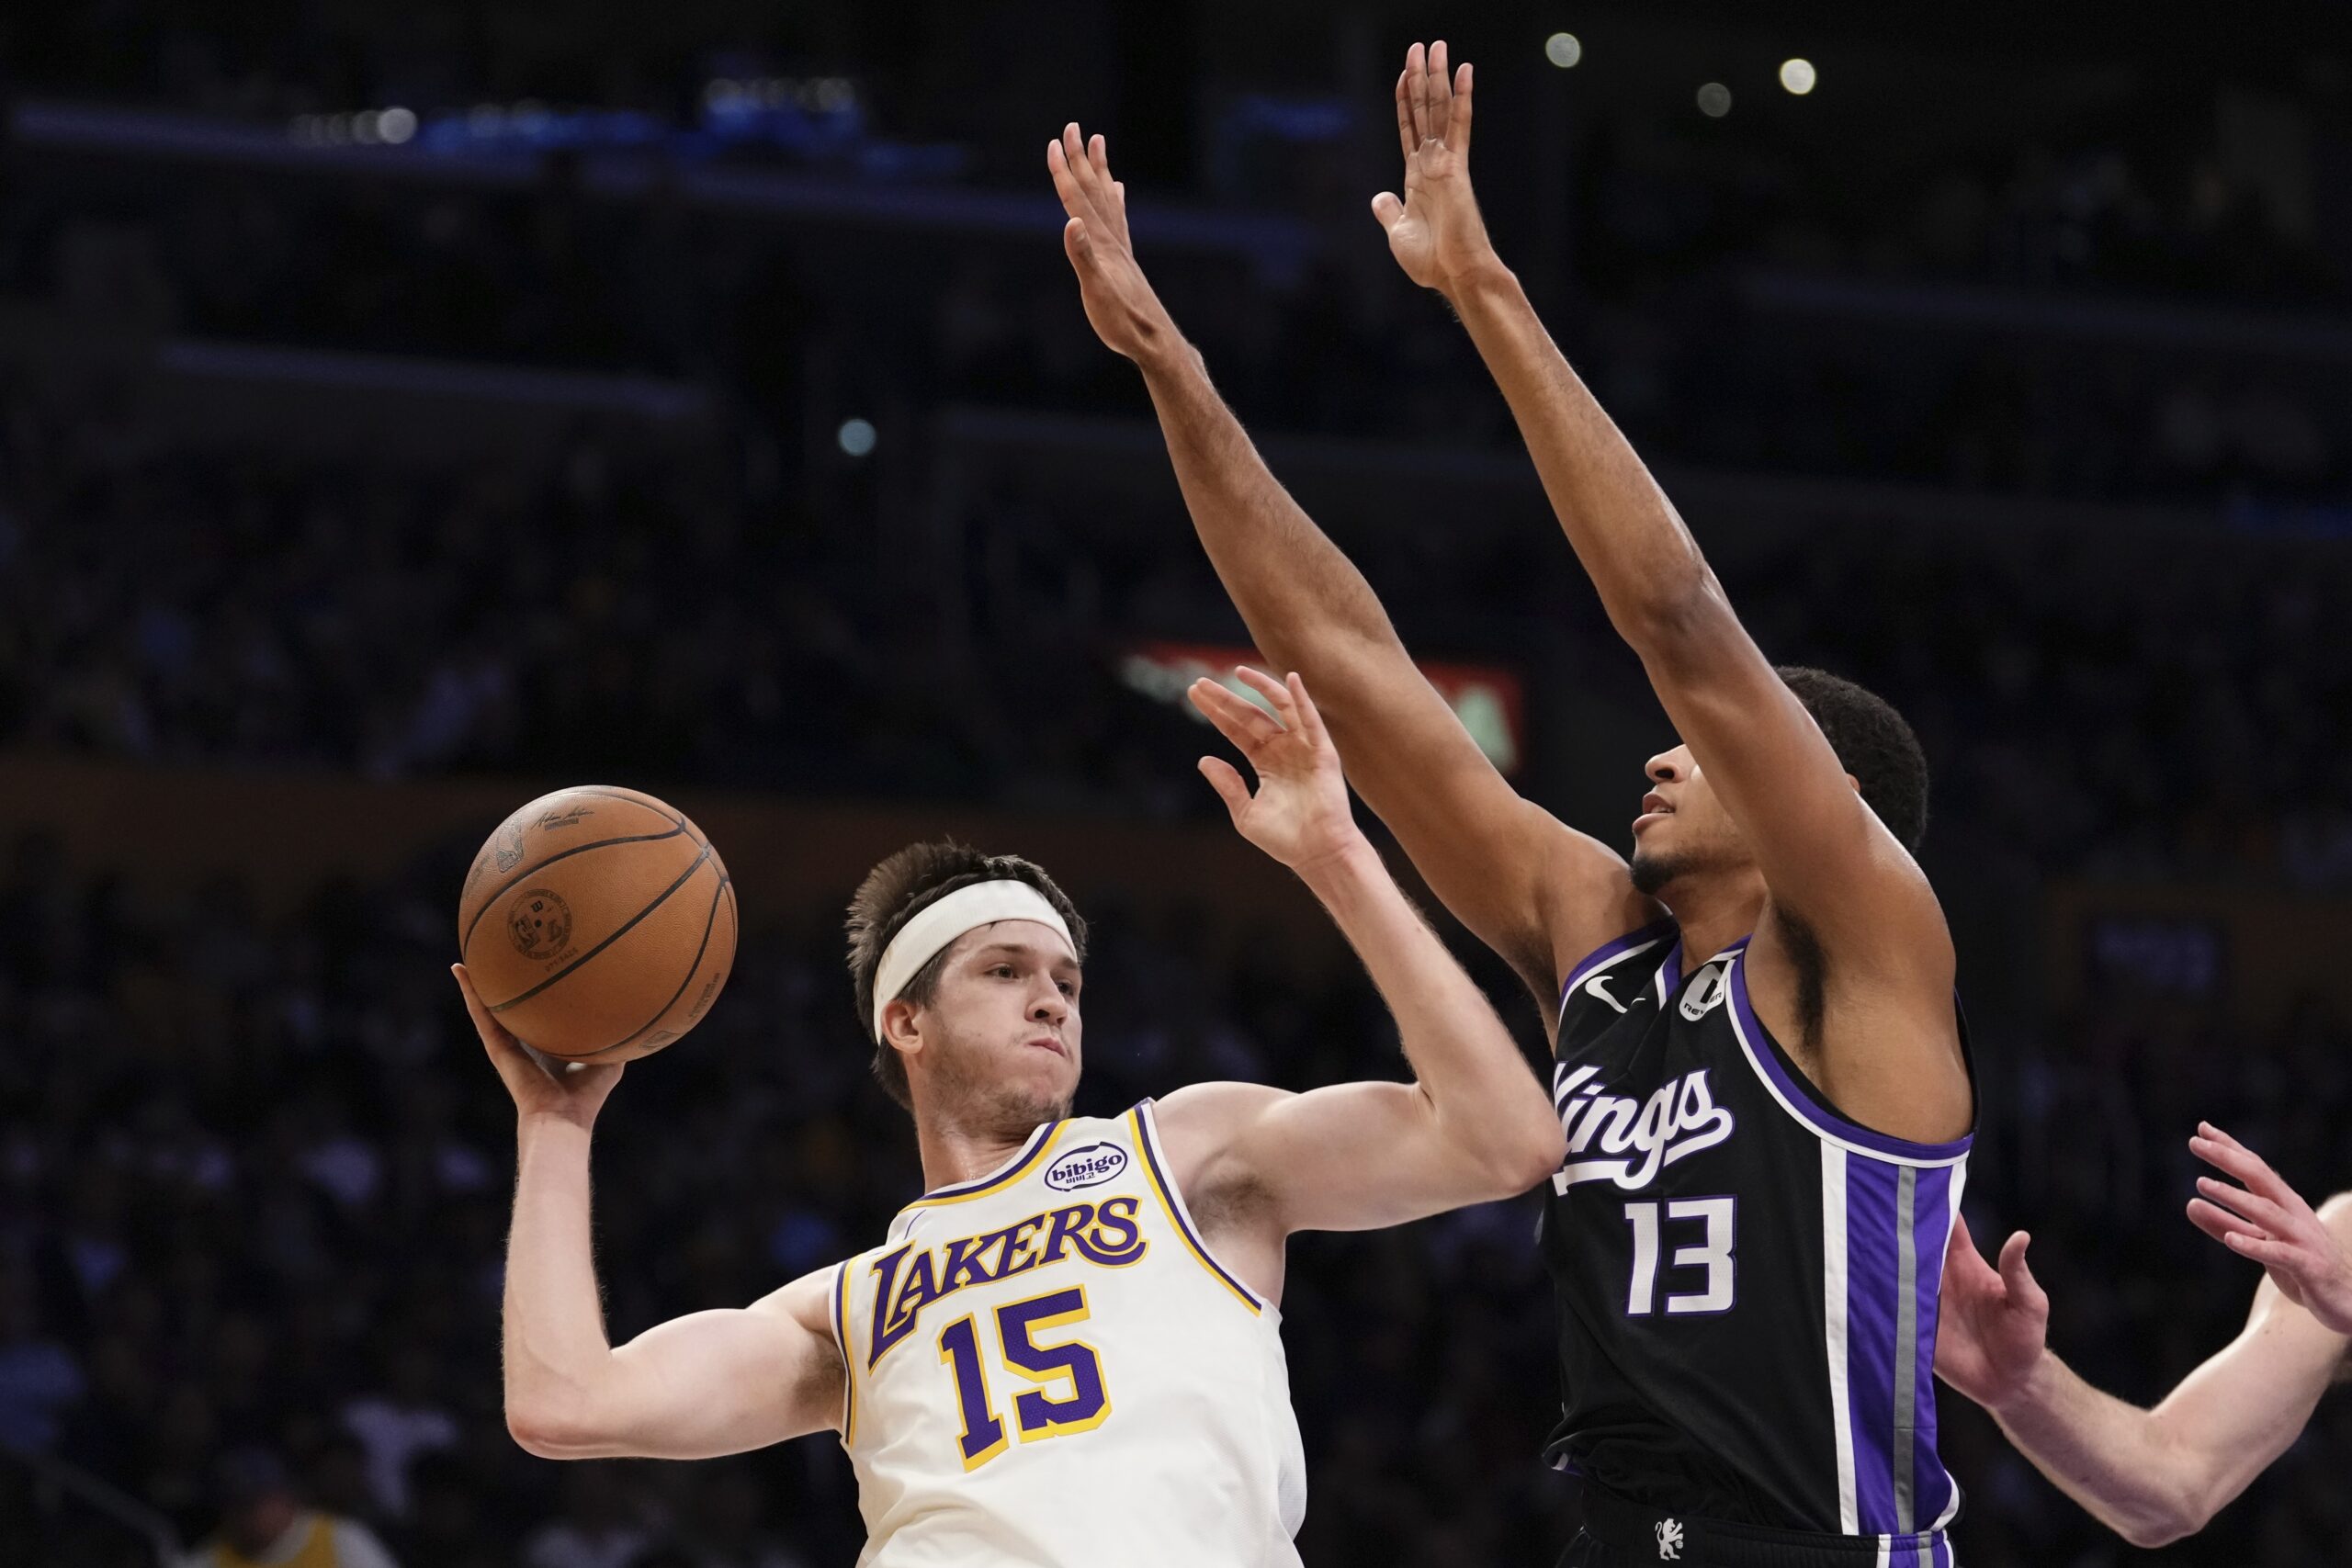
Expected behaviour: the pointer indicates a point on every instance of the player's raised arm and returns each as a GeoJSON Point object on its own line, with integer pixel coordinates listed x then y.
{"type": "Point", "coordinates": [1538, 893]}
{"type": "Point", "coordinates": [1475, 1125]}
{"type": "Point", "coordinates": [2152, 1475]}
{"type": "Point", "coordinates": [678, 1391]}
{"type": "Point", "coordinates": [1838, 882]}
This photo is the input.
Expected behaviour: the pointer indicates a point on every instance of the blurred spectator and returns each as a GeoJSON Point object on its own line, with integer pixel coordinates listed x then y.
{"type": "Point", "coordinates": [265, 1525]}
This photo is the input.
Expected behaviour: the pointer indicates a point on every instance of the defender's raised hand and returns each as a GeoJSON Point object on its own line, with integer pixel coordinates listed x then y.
{"type": "Point", "coordinates": [1435, 232]}
{"type": "Point", "coordinates": [1994, 1324]}
{"type": "Point", "coordinates": [2267, 1221]}
{"type": "Point", "coordinates": [1299, 814]}
{"type": "Point", "coordinates": [1120, 304]}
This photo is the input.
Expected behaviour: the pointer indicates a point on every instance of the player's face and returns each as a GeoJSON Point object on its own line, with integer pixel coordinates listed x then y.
{"type": "Point", "coordinates": [1683, 830]}
{"type": "Point", "coordinates": [1000, 1038]}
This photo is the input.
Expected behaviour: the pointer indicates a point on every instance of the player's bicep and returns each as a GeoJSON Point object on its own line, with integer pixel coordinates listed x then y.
{"type": "Point", "coordinates": [1358, 1157]}
{"type": "Point", "coordinates": [728, 1380]}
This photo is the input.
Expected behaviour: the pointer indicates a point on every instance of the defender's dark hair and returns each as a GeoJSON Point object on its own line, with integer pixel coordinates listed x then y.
{"type": "Point", "coordinates": [895, 892]}
{"type": "Point", "coordinates": [1873, 742]}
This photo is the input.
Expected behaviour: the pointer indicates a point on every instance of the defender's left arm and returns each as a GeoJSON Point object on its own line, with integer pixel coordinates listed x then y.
{"type": "Point", "coordinates": [1834, 874]}
{"type": "Point", "coordinates": [1475, 1125]}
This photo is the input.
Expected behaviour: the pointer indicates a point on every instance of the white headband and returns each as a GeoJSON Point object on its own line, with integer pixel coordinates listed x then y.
{"type": "Point", "coordinates": [923, 938]}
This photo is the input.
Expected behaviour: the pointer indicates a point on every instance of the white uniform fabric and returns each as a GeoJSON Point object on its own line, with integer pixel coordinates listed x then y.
{"type": "Point", "coordinates": [1048, 1368]}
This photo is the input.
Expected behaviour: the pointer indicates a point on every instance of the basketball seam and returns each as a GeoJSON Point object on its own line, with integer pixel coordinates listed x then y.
{"type": "Point", "coordinates": [511, 877]}
{"type": "Point", "coordinates": [710, 923]}
{"type": "Point", "coordinates": [626, 927]}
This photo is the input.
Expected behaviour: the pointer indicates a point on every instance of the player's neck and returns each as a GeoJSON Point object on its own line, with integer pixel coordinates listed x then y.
{"type": "Point", "coordinates": [957, 1149]}
{"type": "Point", "coordinates": [1714, 912]}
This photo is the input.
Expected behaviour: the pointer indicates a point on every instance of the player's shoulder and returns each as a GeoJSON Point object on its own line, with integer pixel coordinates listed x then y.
{"type": "Point", "coordinates": [2336, 1213]}
{"type": "Point", "coordinates": [1209, 1113]}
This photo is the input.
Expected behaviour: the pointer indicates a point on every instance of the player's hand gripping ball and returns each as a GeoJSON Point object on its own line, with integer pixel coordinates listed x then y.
{"type": "Point", "coordinates": [598, 924]}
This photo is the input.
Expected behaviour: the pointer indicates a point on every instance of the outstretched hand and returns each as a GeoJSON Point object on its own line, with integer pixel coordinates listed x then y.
{"type": "Point", "coordinates": [572, 1092]}
{"type": "Point", "coordinates": [1435, 231]}
{"type": "Point", "coordinates": [2267, 1221]}
{"type": "Point", "coordinates": [1299, 814]}
{"type": "Point", "coordinates": [1120, 304]}
{"type": "Point", "coordinates": [1994, 1325]}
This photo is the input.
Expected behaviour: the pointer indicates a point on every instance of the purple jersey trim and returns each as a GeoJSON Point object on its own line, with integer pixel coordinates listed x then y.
{"type": "Point", "coordinates": [1764, 1053]}
{"type": "Point", "coordinates": [1004, 1173]}
{"type": "Point", "coordinates": [1609, 952]}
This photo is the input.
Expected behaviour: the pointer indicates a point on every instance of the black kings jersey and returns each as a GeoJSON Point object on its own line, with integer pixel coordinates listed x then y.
{"type": "Point", "coordinates": [1747, 1281]}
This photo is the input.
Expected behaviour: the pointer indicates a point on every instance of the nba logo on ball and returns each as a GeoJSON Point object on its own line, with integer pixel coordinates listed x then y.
{"type": "Point", "coordinates": [541, 922]}
{"type": "Point", "coordinates": [1088, 1165]}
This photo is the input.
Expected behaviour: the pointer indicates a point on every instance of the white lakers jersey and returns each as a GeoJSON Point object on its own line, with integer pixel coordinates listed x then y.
{"type": "Point", "coordinates": [1046, 1367]}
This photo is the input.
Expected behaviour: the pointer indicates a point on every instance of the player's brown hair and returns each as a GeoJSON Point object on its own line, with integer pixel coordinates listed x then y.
{"type": "Point", "coordinates": [902, 887]}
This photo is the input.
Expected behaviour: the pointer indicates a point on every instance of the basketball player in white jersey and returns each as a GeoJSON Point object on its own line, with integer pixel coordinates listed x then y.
{"type": "Point", "coordinates": [1067, 1351]}
{"type": "Point", "coordinates": [2156, 1475]}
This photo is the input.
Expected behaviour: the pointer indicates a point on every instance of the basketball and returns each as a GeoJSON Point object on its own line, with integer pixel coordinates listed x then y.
{"type": "Point", "coordinates": [597, 923]}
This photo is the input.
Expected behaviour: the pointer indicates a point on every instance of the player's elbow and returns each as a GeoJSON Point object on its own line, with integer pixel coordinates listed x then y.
{"type": "Point", "coordinates": [548, 1429]}
{"type": "Point", "coordinates": [2164, 1522]}
{"type": "Point", "coordinates": [1672, 611]}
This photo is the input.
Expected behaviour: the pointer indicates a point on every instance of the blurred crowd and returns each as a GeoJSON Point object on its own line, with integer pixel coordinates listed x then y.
{"type": "Point", "coordinates": [254, 1176]}
{"type": "Point", "coordinates": [253, 1179]}
{"type": "Point", "coordinates": [596, 613]}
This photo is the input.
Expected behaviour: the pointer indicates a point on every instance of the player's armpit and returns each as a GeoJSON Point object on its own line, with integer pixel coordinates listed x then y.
{"type": "Point", "coordinates": [706, 1384]}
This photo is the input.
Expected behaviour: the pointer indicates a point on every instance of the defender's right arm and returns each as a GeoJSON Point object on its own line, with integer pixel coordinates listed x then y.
{"type": "Point", "coordinates": [2152, 1475]}
{"type": "Point", "coordinates": [1534, 890]}
{"type": "Point", "coordinates": [709, 1384]}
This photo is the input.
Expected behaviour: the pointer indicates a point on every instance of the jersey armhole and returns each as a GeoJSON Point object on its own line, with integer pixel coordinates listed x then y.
{"type": "Point", "coordinates": [1172, 1201]}
{"type": "Point", "coordinates": [1796, 1095]}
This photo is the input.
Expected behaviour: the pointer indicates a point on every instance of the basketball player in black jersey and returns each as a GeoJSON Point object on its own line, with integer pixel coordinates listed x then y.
{"type": "Point", "coordinates": [1759, 1063]}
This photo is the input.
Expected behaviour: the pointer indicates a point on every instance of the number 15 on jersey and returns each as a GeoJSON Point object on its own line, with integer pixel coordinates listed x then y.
{"type": "Point", "coordinates": [1073, 1364]}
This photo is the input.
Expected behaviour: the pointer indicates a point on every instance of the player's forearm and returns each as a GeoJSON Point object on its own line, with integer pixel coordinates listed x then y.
{"type": "Point", "coordinates": [2114, 1459]}
{"type": "Point", "coordinates": [1487, 1107]}
{"type": "Point", "coordinates": [1642, 561]}
{"type": "Point", "coordinates": [1305, 602]}
{"type": "Point", "coordinates": [556, 1357]}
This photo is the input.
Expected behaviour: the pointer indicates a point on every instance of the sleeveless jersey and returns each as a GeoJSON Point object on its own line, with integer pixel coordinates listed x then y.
{"type": "Point", "coordinates": [1046, 1366]}
{"type": "Point", "coordinates": [1747, 1279]}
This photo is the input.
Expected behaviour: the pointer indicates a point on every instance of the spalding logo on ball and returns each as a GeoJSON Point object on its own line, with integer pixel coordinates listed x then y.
{"type": "Point", "coordinates": [598, 924]}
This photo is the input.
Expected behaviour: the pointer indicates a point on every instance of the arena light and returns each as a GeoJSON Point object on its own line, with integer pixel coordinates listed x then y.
{"type": "Point", "coordinates": [1563, 50]}
{"type": "Point", "coordinates": [1798, 76]}
{"type": "Point", "coordinates": [856, 436]}
{"type": "Point", "coordinates": [1714, 100]}
{"type": "Point", "coordinates": [396, 125]}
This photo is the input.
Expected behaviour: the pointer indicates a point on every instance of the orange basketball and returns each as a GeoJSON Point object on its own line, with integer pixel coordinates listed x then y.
{"type": "Point", "coordinates": [598, 924]}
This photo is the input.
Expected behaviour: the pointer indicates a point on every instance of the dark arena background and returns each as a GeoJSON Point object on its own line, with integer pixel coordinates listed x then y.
{"type": "Point", "coordinates": [405, 410]}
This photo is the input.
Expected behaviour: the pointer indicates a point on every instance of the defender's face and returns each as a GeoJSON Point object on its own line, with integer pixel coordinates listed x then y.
{"type": "Point", "coordinates": [1683, 829]}
{"type": "Point", "coordinates": [1003, 1030]}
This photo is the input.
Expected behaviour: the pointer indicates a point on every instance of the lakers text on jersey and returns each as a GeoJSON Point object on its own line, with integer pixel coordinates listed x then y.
{"type": "Point", "coordinates": [1747, 1279]}
{"type": "Point", "coordinates": [1046, 1366]}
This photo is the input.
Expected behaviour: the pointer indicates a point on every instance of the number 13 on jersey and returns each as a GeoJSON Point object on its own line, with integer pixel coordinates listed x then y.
{"type": "Point", "coordinates": [1039, 1413]}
